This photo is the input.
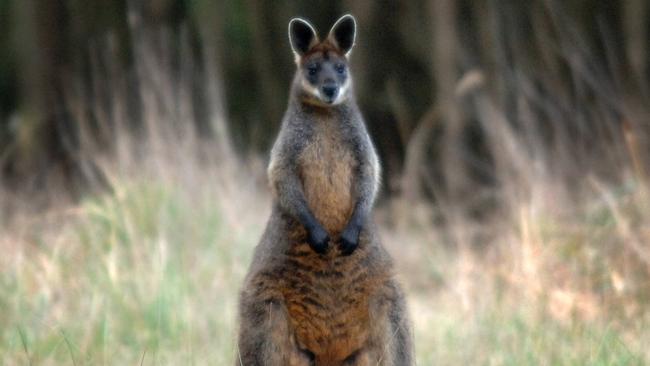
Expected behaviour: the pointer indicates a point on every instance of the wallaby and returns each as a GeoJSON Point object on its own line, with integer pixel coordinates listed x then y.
{"type": "Point", "coordinates": [320, 290]}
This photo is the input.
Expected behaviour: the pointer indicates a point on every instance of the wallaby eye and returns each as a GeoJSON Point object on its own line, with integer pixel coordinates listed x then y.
{"type": "Point", "coordinates": [340, 68]}
{"type": "Point", "coordinates": [312, 69]}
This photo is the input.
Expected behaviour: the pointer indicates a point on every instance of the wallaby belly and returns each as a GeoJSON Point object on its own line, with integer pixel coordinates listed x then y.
{"type": "Point", "coordinates": [327, 172]}
{"type": "Point", "coordinates": [328, 302]}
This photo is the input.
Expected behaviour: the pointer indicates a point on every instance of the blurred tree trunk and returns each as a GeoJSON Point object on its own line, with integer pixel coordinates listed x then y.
{"type": "Point", "coordinates": [445, 71]}
{"type": "Point", "coordinates": [210, 18]}
{"type": "Point", "coordinates": [8, 75]}
{"type": "Point", "coordinates": [271, 87]}
{"type": "Point", "coordinates": [48, 137]}
{"type": "Point", "coordinates": [635, 21]}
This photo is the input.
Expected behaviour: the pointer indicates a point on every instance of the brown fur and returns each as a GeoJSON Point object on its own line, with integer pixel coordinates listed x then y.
{"type": "Point", "coordinates": [323, 49]}
{"type": "Point", "coordinates": [337, 308]}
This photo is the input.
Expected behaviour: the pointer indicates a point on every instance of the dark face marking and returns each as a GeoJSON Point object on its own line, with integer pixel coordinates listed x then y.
{"type": "Point", "coordinates": [327, 73]}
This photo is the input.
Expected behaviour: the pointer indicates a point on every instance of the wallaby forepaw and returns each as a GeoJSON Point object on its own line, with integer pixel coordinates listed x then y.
{"type": "Point", "coordinates": [349, 241]}
{"type": "Point", "coordinates": [319, 240]}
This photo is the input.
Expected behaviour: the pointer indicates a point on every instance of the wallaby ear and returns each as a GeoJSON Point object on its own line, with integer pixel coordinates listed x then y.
{"type": "Point", "coordinates": [302, 36]}
{"type": "Point", "coordinates": [343, 33]}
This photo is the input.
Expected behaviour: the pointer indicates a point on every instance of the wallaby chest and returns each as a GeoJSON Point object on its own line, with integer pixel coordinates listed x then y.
{"type": "Point", "coordinates": [326, 168]}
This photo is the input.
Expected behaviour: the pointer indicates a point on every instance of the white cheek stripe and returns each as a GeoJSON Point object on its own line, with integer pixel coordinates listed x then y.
{"type": "Point", "coordinates": [343, 91]}
{"type": "Point", "coordinates": [309, 88]}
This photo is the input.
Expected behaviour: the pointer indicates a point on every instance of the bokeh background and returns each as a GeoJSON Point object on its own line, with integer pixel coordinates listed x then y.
{"type": "Point", "coordinates": [514, 138]}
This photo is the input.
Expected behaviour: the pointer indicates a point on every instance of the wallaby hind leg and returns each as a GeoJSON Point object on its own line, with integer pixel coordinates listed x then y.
{"type": "Point", "coordinates": [265, 339]}
{"type": "Point", "coordinates": [401, 341]}
{"type": "Point", "coordinates": [391, 343]}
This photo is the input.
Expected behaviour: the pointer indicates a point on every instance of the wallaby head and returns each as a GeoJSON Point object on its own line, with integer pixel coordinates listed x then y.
{"type": "Point", "coordinates": [322, 76]}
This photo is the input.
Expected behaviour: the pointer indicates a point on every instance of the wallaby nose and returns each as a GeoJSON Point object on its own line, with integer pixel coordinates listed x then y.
{"type": "Point", "coordinates": [329, 90]}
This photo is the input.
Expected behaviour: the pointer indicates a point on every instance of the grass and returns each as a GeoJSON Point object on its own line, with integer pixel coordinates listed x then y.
{"type": "Point", "coordinates": [149, 274]}
{"type": "Point", "coordinates": [139, 274]}
{"type": "Point", "coordinates": [515, 337]}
